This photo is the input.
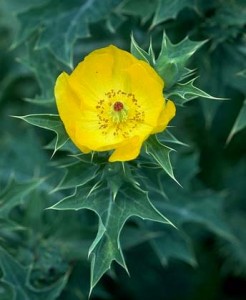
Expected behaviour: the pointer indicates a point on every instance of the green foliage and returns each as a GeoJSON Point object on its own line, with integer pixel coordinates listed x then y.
{"type": "Point", "coordinates": [50, 122]}
{"type": "Point", "coordinates": [160, 154]}
{"type": "Point", "coordinates": [172, 59]}
{"type": "Point", "coordinates": [132, 7]}
{"type": "Point", "coordinates": [161, 10]}
{"type": "Point", "coordinates": [61, 23]}
{"type": "Point", "coordinates": [17, 278]}
{"type": "Point", "coordinates": [56, 210]}
{"type": "Point", "coordinates": [169, 9]}
{"type": "Point", "coordinates": [240, 122]}
{"type": "Point", "coordinates": [13, 194]}
{"type": "Point", "coordinates": [170, 65]}
{"type": "Point", "coordinates": [113, 212]}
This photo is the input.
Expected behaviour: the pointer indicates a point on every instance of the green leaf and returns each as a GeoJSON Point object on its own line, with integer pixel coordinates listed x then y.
{"type": "Point", "coordinates": [68, 146]}
{"type": "Point", "coordinates": [6, 291]}
{"type": "Point", "coordinates": [139, 53]}
{"type": "Point", "coordinates": [9, 230]}
{"type": "Point", "coordinates": [172, 243]}
{"type": "Point", "coordinates": [170, 64]}
{"type": "Point", "coordinates": [45, 67]}
{"type": "Point", "coordinates": [167, 137]}
{"type": "Point", "coordinates": [234, 253]}
{"type": "Point", "coordinates": [160, 154]}
{"type": "Point", "coordinates": [240, 122]}
{"type": "Point", "coordinates": [49, 122]}
{"type": "Point", "coordinates": [129, 201]}
{"type": "Point", "coordinates": [59, 24]}
{"type": "Point", "coordinates": [186, 166]}
{"type": "Point", "coordinates": [133, 236]}
{"type": "Point", "coordinates": [15, 6]}
{"type": "Point", "coordinates": [204, 207]}
{"type": "Point", "coordinates": [184, 206]}
{"type": "Point", "coordinates": [184, 92]}
{"type": "Point", "coordinates": [17, 277]}
{"type": "Point", "coordinates": [114, 21]}
{"type": "Point", "coordinates": [145, 10]}
{"type": "Point", "coordinates": [77, 174]}
{"type": "Point", "coordinates": [169, 9]}
{"type": "Point", "coordinates": [116, 174]}
{"type": "Point", "coordinates": [14, 193]}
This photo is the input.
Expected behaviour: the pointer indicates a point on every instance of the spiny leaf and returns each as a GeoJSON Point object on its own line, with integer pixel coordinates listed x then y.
{"type": "Point", "coordinates": [115, 178]}
{"type": "Point", "coordinates": [49, 122]}
{"type": "Point", "coordinates": [233, 13]}
{"type": "Point", "coordinates": [172, 59]}
{"type": "Point", "coordinates": [14, 193]}
{"type": "Point", "coordinates": [134, 235]}
{"type": "Point", "coordinates": [182, 207]}
{"type": "Point", "coordinates": [77, 174]}
{"type": "Point", "coordinates": [169, 9]}
{"type": "Point", "coordinates": [129, 201]}
{"type": "Point", "coordinates": [116, 175]}
{"type": "Point", "coordinates": [45, 67]}
{"type": "Point", "coordinates": [114, 20]}
{"type": "Point", "coordinates": [184, 92]}
{"type": "Point", "coordinates": [240, 122]}
{"type": "Point", "coordinates": [172, 243]}
{"type": "Point", "coordinates": [170, 65]}
{"type": "Point", "coordinates": [204, 207]}
{"type": "Point", "coordinates": [160, 154]}
{"type": "Point", "coordinates": [138, 52]}
{"type": "Point", "coordinates": [68, 146]}
{"type": "Point", "coordinates": [17, 277]}
{"type": "Point", "coordinates": [167, 137]}
{"type": "Point", "coordinates": [62, 24]}
{"type": "Point", "coordinates": [132, 7]}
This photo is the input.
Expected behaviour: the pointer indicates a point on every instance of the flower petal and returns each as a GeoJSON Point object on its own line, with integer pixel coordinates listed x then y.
{"type": "Point", "coordinates": [166, 115]}
{"type": "Point", "coordinates": [101, 71]}
{"type": "Point", "coordinates": [147, 87]}
{"type": "Point", "coordinates": [68, 106]}
{"type": "Point", "coordinates": [128, 150]}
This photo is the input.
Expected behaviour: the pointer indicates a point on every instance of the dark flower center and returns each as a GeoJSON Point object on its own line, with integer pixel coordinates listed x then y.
{"type": "Point", "coordinates": [118, 106]}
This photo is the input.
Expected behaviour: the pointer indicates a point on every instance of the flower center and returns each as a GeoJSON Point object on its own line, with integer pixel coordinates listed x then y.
{"type": "Point", "coordinates": [118, 112]}
{"type": "Point", "coordinates": [118, 106]}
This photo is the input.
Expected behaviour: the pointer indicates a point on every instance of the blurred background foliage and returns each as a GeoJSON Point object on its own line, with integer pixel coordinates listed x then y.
{"type": "Point", "coordinates": [43, 253]}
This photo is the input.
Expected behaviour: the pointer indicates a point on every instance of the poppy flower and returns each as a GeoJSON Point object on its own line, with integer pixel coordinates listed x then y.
{"type": "Point", "coordinates": [112, 102]}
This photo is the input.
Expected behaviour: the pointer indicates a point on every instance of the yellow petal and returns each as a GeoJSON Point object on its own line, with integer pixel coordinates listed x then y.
{"type": "Point", "coordinates": [147, 87]}
{"type": "Point", "coordinates": [68, 105]}
{"type": "Point", "coordinates": [101, 71]}
{"type": "Point", "coordinates": [166, 115]}
{"type": "Point", "coordinates": [89, 133]}
{"type": "Point", "coordinates": [128, 150]}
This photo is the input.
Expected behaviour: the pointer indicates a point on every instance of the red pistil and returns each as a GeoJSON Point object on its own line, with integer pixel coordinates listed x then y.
{"type": "Point", "coordinates": [118, 106]}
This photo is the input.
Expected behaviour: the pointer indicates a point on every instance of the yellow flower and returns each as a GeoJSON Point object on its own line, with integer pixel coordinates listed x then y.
{"type": "Point", "coordinates": [112, 101]}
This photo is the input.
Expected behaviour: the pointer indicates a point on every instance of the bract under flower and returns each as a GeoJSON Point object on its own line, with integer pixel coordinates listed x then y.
{"type": "Point", "coordinates": [112, 101]}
